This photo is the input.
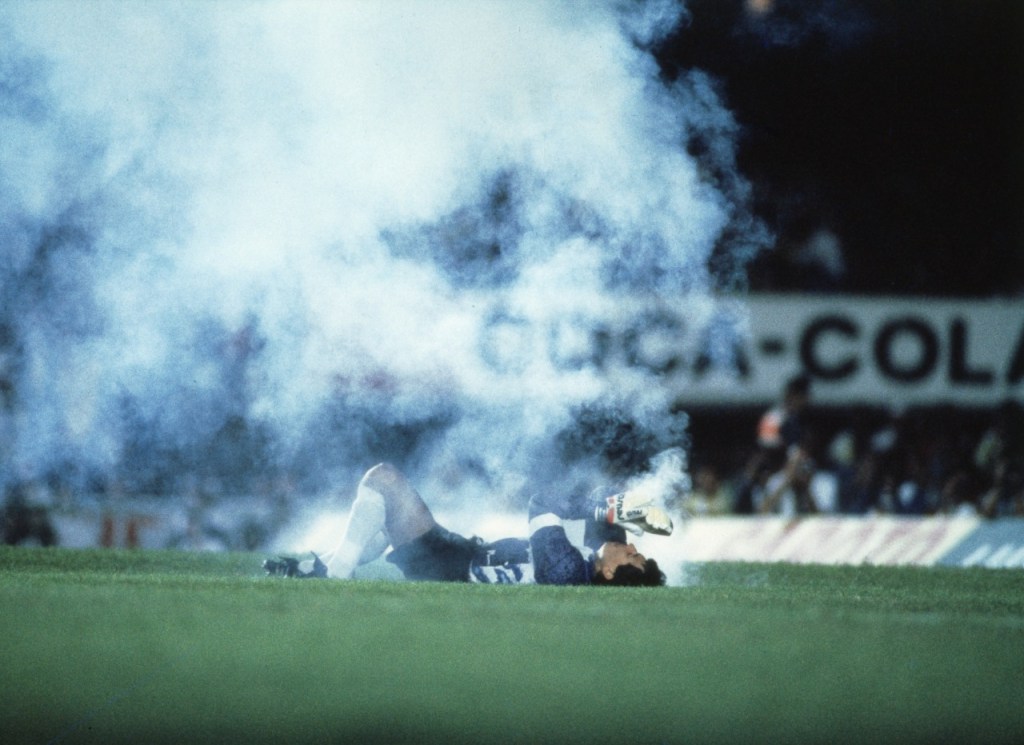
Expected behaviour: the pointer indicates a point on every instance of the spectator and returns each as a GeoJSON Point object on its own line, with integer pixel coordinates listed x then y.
{"type": "Point", "coordinates": [861, 494]}
{"type": "Point", "coordinates": [999, 458]}
{"type": "Point", "coordinates": [915, 495]}
{"type": "Point", "coordinates": [782, 427]}
{"type": "Point", "coordinates": [960, 495]}
{"type": "Point", "coordinates": [24, 522]}
{"type": "Point", "coordinates": [710, 494]}
{"type": "Point", "coordinates": [841, 464]}
{"type": "Point", "coordinates": [788, 491]}
{"type": "Point", "coordinates": [879, 482]}
{"type": "Point", "coordinates": [751, 482]}
{"type": "Point", "coordinates": [1005, 496]}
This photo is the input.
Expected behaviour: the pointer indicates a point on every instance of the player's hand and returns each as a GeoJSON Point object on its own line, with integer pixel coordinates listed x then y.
{"type": "Point", "coordinates": [635, 512]}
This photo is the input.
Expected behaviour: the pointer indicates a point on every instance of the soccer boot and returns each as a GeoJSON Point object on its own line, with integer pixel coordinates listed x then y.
{"type": "Point", "coordinates": [287, 566]}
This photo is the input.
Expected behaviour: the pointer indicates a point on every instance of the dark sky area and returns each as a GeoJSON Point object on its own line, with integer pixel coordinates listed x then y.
{"type": "Point", "coordinates": [897, 125]}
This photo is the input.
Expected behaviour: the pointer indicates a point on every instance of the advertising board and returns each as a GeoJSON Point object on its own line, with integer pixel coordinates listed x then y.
{"type": "Point", "coordinates": [858, 350]}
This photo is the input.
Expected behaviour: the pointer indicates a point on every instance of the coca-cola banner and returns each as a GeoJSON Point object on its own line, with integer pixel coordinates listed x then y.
{"type": "Point", "coordinates": [858, 350]}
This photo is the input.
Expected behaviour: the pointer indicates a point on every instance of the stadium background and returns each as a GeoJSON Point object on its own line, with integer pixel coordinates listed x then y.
{"type": "Point", "coordinates": [882, 144]}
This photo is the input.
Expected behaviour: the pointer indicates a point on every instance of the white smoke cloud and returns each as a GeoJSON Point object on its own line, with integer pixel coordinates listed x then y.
{"type": "Point", "coordinates": [332, 233]}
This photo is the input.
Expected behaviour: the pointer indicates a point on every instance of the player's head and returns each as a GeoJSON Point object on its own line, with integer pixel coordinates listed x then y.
{"type": "Point", "coordinates": [622, 564]}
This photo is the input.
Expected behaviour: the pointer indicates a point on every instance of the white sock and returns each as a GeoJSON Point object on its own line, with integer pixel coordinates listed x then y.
{"type": "Point", "coordinates": [365, 522]}
{"type": "Point", "coordinates": [375, 548]}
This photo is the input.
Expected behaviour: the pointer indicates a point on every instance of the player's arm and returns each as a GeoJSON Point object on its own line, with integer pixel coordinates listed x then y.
{"type": "Point", "coordinates": [555, 560]}
{"type": "Point", "coordinates": [634, 510]}
{"type": "Point", "coordinates": [596, 534]}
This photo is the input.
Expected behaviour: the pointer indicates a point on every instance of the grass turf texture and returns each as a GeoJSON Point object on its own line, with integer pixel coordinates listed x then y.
{"type": "Point", "coordinates": [120, 646]}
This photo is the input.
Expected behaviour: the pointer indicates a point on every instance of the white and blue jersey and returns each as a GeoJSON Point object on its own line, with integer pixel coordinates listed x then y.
{"type": "Point", "coordinates": [505, 574]}
{"type": "Point", "coordinates": [504, 562]}
{"type": "Point", "coordinates": [548, 557]}
{"type": "Point", "coordinates": [556, 561]}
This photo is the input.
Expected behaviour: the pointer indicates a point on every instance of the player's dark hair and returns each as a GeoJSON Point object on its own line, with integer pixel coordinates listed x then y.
{"type": "Point", "coordinates": [627, 575]}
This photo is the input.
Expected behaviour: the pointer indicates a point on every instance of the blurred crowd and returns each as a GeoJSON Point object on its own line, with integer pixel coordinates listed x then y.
{"type": "Point", "coordinates": [927, 461]}
{"type": "Point", "coordinates": [795, 458]}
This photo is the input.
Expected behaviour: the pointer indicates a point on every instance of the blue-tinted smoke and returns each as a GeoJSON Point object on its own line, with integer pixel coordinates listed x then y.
{"type": "Point", "coordinates": [256, 243]}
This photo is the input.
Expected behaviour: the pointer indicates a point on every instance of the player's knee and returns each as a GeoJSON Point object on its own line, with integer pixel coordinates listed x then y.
{"type": "Point", "coordinates": [382, 474]}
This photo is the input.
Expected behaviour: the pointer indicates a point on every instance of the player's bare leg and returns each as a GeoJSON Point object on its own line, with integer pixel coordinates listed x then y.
{"type": "Point", "coordinates": [407, 516]}
{"type": "Point", "coordinates": [386, 510]}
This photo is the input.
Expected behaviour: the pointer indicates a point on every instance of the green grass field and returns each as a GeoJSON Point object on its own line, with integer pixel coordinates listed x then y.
{"type": "Point", "coordinates": [120, 646]}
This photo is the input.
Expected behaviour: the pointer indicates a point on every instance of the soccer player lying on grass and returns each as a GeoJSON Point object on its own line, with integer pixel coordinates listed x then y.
{"type": "Point", "coordinates": [387, 511]}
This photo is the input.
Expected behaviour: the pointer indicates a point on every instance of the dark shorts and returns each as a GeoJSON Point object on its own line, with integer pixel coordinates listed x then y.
{"type": "Point", "coordinates": [438, 555]}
